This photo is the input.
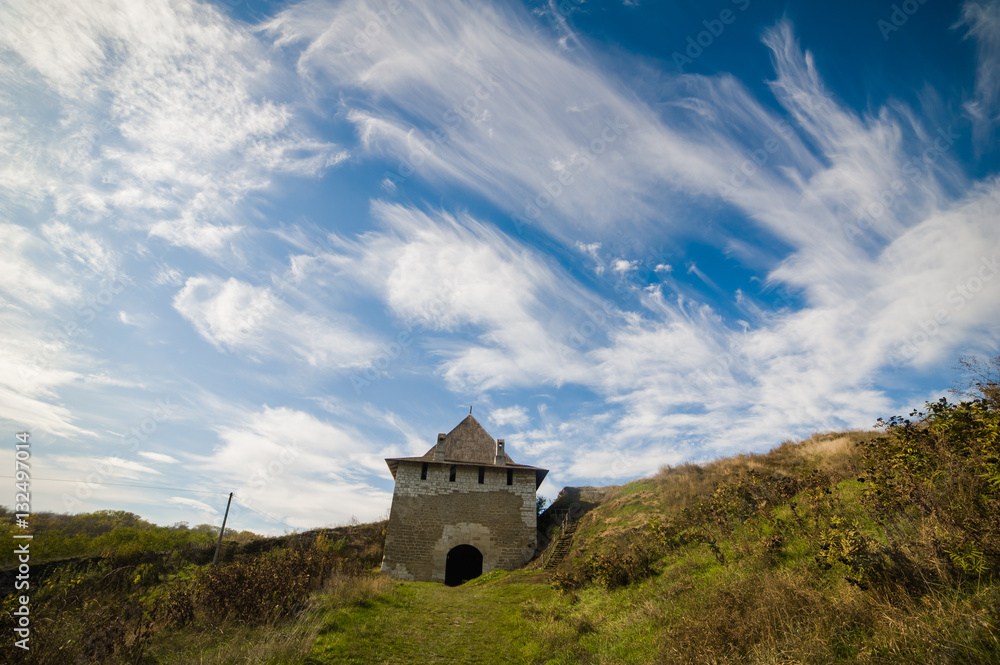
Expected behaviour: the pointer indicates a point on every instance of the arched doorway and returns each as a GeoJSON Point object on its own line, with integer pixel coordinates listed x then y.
{"type": "Point", "coordinates": [464, 563]}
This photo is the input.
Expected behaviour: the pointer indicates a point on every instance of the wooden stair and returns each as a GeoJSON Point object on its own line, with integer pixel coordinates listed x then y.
{"type": "Point", "coordinates": [561, 547]}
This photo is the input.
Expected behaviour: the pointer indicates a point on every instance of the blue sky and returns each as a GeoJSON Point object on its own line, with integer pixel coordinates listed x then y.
{"type": "Point", "coordinates": [260, 246]}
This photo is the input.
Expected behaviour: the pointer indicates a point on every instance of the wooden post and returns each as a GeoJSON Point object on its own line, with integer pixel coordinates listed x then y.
{"type": "Point", "coordinates": [218, 546]}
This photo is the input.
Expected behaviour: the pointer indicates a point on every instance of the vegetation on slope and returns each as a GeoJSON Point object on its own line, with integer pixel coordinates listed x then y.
{"type": "Point", "coordinates": [135, 605]}
{"type": "Point", "coordinates": [856, 547]}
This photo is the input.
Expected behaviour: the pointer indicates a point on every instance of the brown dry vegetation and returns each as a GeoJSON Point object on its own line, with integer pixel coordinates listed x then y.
{"type": "Point", "coordinates": [257, 605]}
{"type": "Point", "coordinates": [855, 547]}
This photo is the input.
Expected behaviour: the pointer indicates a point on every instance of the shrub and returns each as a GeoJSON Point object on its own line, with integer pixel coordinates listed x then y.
{"type": "Point", "coordinates": [845, 543]}
{"type": "Point", "coordinates": [578, 575]}
{"type": "Point", "coordinates": [265, 589]}
{"type": "Point", "coordinates": [945, 467]}
{"type": "Point", "coordinates": [626, 563]}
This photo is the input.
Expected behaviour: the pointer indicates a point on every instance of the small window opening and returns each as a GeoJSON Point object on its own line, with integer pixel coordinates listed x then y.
{"type": "Point", "coordinates": [510, 476]}
{"type": "Point", "coordinates": [423, 471]}
{"type": "Point", "coordinates": [482, 475]}
{"type": "Point", "coordinates": [451, 476]}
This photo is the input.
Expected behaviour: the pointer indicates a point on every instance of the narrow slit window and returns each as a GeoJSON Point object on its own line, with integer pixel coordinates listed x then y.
{"type": "Point", "coordinates": [510, 476]}
{"type": "Point", "coordinates": [482, 474]}
{"type": "Point", "coordinates": [423, 471]}
{"type": "Point", "coordinates": [451, 476]}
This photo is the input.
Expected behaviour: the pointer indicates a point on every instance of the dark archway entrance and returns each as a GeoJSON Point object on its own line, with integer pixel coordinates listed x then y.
{"type": "Point", "coordinates": [464, 563]}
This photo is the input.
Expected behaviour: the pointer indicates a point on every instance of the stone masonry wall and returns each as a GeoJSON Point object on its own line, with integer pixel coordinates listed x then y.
{"type": "Point", "coordinates": [430, 517]}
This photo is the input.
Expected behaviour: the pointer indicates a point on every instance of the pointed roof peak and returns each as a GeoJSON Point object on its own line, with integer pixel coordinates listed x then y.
{"type": "Point", "coordinates": [469, 441]}
{"type": "Point", "coordinates": [469, 421]}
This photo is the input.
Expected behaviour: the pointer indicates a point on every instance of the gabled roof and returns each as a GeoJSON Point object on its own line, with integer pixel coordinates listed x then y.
{"type": "Point", "coordinates": [468, 444]}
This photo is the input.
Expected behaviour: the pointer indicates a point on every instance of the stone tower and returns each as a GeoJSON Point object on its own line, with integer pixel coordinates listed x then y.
{"type": "Point", "coordinates": [462, 509]}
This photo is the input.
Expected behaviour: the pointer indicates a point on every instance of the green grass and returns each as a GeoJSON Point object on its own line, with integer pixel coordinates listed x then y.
{"type": "Point", "coordinates": [758, 559]}
{"type": "Point", "coordinates": [751, 581]}
{"type": "Point", "coordinates": [491, 623]}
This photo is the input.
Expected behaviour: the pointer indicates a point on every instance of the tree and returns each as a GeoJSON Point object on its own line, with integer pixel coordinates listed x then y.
{"type": "Point", "coordinates": [981, 380]}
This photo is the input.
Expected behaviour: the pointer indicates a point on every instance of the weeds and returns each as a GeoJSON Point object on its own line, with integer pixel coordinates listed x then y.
{"type": "Point", "coordinates": [119, 608]}
{"type": "Point", "coordinates": [862, 547]}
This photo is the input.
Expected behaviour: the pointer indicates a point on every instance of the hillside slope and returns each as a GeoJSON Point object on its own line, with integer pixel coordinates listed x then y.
{"type": "Point", "coordinates": [856, 547]}
{"type": "Point", "coordinates": [844, 548]}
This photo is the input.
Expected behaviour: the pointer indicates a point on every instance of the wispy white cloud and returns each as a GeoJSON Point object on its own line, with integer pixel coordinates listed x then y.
{"type": "Point", "coordinates": [516, 416]}
{"type": "Point", "coordinates": [81, 247]}
{"type": "Point", "coordinates": [622, 266]}
{"type": "Point", "coordinates": [153, 139]}
{"type": "Point", "coordinates": [449, 275]}
{"type": "Point", "coordinates": [235, 315]}
{"type": "Point", "coordinates": [681, 373]}
{"type": "Point", "coordinates": [144, 321]}
{"type": "Point", "coordinates": [158, 457]}
{"type": "Point", "coordinates": [166, 116]}
{"type": "Point", "coordinates": [33, 369]}
{"type": "Point", "coordinates": [22, 275]}
{"type": "Point", "coordinates": [503, 110]}
{"type": "Point", "coordinates": [815, 179]}
{"type": "Point", "coordinates": [982, 19]}
{"type": "Point", "coordinates": [188, 502]}
{"type": "Point", "coordinates": [113, 468]}
{"type": "Point", "coordinates": [298, 468]}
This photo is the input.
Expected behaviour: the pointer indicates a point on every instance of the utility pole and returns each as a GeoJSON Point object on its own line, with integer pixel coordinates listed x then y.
{"type": "Point", "coordinates": [222, 530]}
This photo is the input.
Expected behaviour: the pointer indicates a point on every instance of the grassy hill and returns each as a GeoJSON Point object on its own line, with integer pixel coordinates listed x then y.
{"type": "Point", "coordinates": [852, 547]}
{"type": "Point", "coordinates": [774, 558]}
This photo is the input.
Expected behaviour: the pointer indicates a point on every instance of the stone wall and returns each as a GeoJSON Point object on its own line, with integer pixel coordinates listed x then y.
{"type": "Point", "coordinates": [430, 517]}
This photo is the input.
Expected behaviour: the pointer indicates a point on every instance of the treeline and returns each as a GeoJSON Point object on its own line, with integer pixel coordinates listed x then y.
{"type": "Point", "coordinates": [103, 532]}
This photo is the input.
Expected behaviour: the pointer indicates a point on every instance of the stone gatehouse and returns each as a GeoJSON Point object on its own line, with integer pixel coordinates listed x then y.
{"type": "Point", "coordinates": [462, 509]}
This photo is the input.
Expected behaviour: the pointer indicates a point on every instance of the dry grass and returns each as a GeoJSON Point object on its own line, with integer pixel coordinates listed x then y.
{"type": "Point", "coordinates": [781, 557]}
{"type": "Point", "coordinates": [834, 454]}
{"type": "Point", "coordinates": [783, 616]}
{"type": "Point", "coordinates": [282, 645]}
{"type": "Point", "coordinates": [262, 605]}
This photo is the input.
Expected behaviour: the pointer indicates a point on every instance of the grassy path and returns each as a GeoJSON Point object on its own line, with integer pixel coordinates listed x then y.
{"type": "Point", "coordinates": [431, 623]}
